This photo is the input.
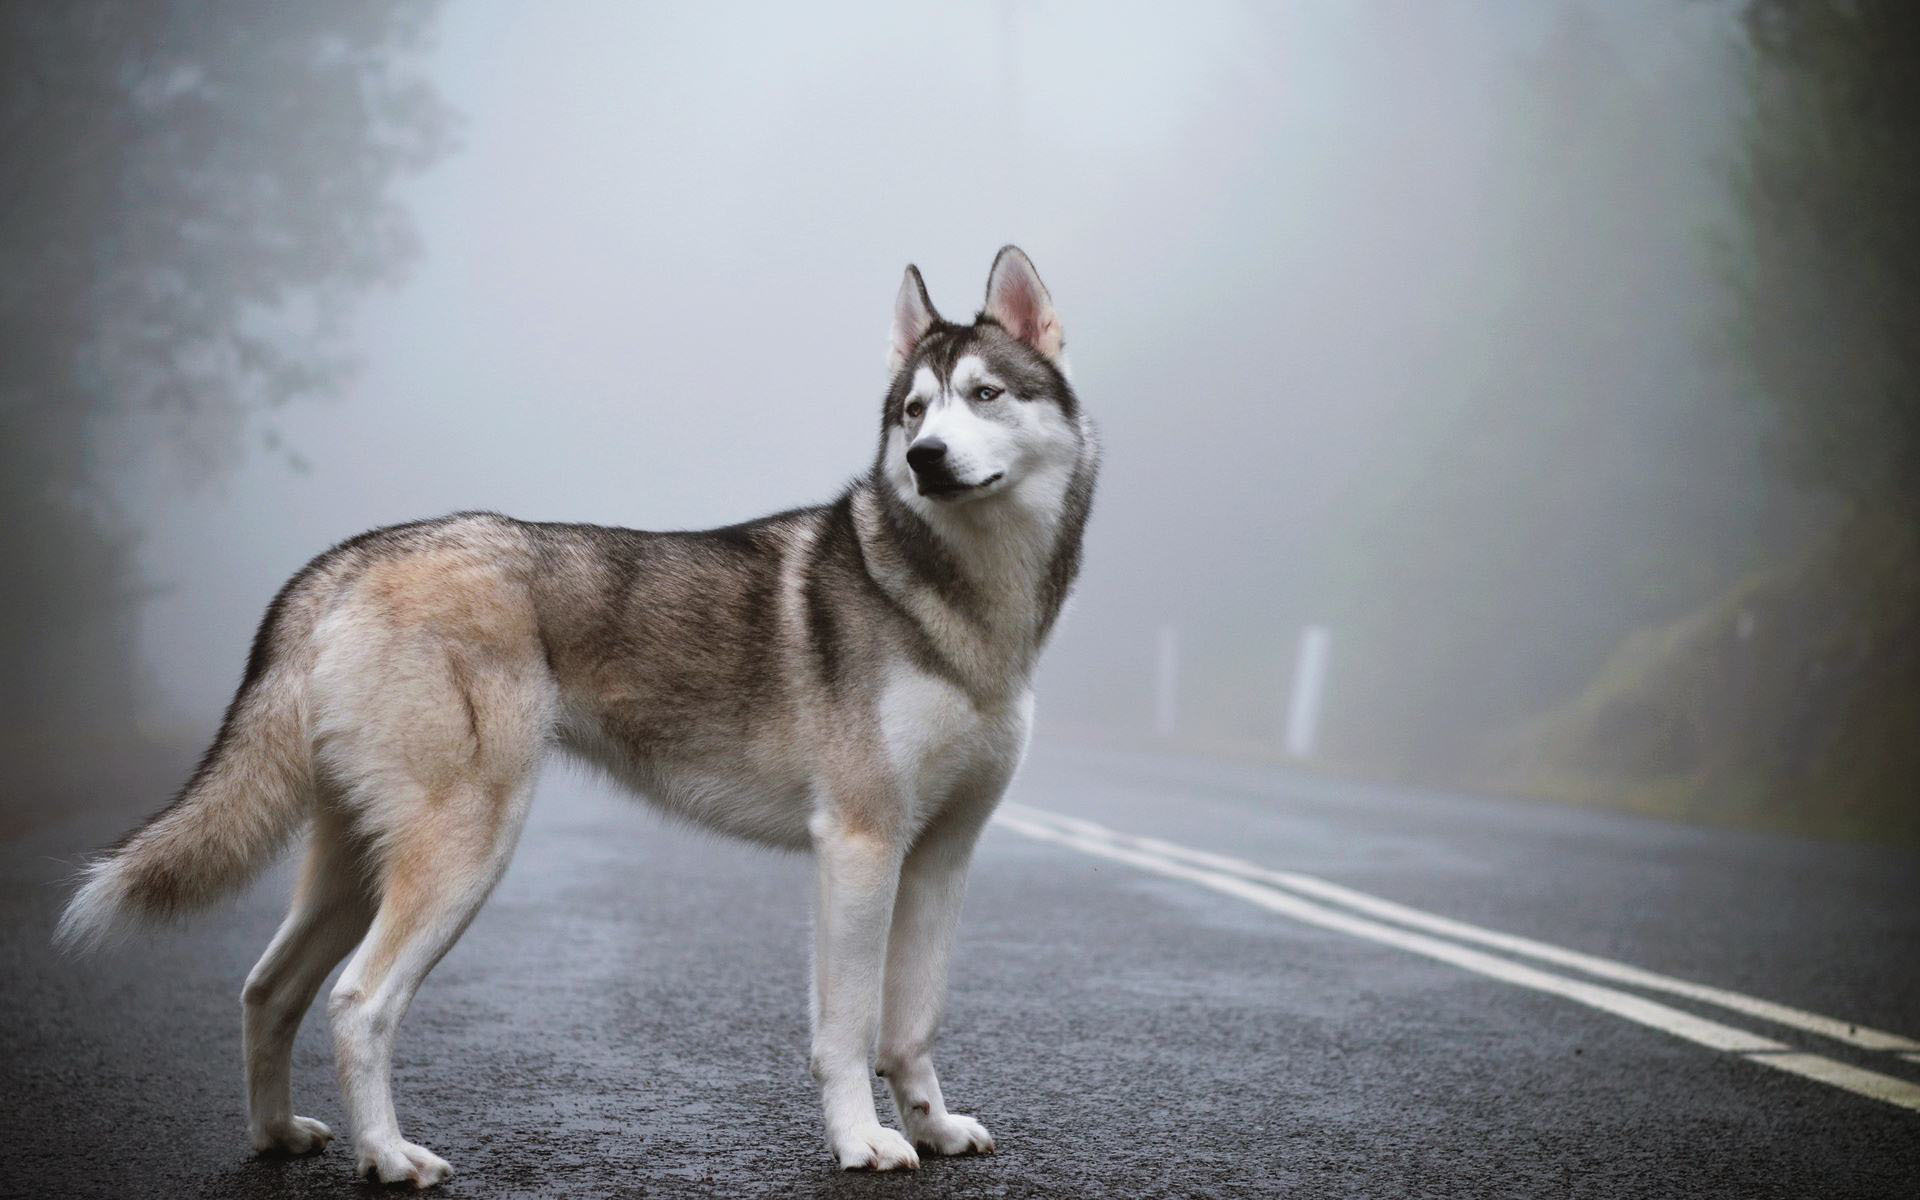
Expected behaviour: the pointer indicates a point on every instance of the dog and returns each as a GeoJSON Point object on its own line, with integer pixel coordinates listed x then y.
{"type": "Point", "coordinates": [851, 678]}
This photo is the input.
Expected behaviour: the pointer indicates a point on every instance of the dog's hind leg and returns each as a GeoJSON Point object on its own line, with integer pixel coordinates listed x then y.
{"type": "Point", "coordinates": [437, 869]}
{"type": "Point", "coordinates": [332, 907]}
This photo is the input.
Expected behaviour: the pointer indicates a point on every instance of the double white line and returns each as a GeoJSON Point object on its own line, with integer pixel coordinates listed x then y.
{"type": "Point", "coordinates": [1288, 893]}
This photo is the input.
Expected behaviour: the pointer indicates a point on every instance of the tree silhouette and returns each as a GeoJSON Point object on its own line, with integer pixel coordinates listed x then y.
{"type": "Point", "coordinates": [1830, 189]}
{"type": "Point", "coordinates": [1587, 479]}
{"type": "Point", "coordinates": [191, 195]}
{"type": "Point", "coordinates": [1791, 697]}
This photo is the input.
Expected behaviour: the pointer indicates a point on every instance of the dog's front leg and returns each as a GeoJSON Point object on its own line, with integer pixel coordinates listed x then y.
{"type": "Point", "coordinates": [858, 873]}
{"type": "Point", "coordinates": [932, 884]}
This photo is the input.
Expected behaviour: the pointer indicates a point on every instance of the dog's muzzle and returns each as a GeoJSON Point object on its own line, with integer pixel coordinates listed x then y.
{"type": "Point", "coordinates": [932, 475]}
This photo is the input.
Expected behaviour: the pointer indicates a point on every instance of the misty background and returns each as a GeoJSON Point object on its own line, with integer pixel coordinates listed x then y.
{"type": "Point", "coordinates": [1559, 359]}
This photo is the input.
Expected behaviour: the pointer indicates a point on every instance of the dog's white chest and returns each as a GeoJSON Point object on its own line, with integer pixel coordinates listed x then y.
{"type": "Point", "coordinates": [937, 740]}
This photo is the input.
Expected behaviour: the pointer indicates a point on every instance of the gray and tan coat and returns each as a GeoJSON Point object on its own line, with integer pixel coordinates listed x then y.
{"type": "Point", "coordinates": [851, 678]}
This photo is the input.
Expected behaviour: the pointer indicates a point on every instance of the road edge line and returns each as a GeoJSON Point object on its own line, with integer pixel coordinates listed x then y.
{"type": "Point", "coordinates": [1626, 1005]}
{"type": "Point", "coordinates": [1850, 1032]}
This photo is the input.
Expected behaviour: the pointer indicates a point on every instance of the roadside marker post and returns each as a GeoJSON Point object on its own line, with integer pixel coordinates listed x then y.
{"type": "Point", "coordinates": [1309, 687]}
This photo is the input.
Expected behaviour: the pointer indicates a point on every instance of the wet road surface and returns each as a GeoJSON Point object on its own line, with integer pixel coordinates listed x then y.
{"type": "Point", "coordinates": [628, 1015]}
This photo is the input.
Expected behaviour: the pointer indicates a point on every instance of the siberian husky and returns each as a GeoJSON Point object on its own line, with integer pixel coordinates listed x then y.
{"type": "Point", "coordinates": [851, 678]}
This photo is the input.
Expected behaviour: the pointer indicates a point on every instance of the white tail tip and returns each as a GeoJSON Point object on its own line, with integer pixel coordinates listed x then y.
{"type": "Point", "coordinates": [97, 911]}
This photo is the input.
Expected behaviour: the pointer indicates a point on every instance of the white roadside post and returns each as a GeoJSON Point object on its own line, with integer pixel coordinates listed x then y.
{"type": "Point", "coordinates": [1166, 682]}
{"type": "Point", "coordinates": [1309, 685]}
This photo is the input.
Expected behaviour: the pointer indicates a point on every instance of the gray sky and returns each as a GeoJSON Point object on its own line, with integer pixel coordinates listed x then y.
{"type": "Point", "coordinates": [1282, 239]}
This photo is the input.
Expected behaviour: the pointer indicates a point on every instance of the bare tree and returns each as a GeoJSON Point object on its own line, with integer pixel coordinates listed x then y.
{"type": "Point", "coordinates": [191, 195]}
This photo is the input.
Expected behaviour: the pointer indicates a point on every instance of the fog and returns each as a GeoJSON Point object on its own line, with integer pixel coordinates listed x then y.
{"type": "Point", "coordinates": [1421, 322]}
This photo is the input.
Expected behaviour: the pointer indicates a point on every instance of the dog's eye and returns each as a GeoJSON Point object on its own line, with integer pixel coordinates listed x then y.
{"type": "Point", "coordinates": [984, 393]}
{"type": "Point", "coordinates": [915, 408]}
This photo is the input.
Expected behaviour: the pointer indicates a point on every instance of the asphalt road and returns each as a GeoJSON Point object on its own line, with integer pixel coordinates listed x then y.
{"type": "Point", "coordinates": [628, 1015]}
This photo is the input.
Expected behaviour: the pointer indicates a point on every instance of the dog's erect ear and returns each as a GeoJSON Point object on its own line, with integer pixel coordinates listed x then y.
{"type": "Point", "coordinates": [1019, 302]}
{"type": "Point", "coordinates": [913, 315]}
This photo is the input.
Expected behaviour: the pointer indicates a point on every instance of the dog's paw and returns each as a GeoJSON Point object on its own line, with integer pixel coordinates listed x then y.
{"type": "Point", "coordinates": [295, 1135]}
{"type": "Point", "coordinates": [949, 1133]}
{"type": "Point", "coordinates": [401, 1162]}
{"type": "Point", "coordinates": [874, 1147]}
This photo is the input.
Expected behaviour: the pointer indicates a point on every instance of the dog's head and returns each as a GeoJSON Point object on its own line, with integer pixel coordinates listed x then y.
{"type": "Point", "coordinates": [979, 412]}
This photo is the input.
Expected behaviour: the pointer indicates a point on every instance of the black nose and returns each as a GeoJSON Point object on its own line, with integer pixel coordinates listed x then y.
{"type": "Point", "coordinates": [925, 453]}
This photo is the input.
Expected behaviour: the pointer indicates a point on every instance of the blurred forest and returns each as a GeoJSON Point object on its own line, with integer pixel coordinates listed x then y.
{"type": "Point", "coordinates": [1774, 677]}
{"type": "Point", "coordinates": [1608, 564]}
{"type": "Point", "coordinates": [1794, 693]}
{"type": "Point", "coordinates": [1587, 536]}
{"type": "Point", "coordinates": [191, 196]}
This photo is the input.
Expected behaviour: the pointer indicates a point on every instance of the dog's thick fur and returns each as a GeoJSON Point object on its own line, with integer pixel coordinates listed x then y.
{"type": "Point", "coordinates": [851, 678]}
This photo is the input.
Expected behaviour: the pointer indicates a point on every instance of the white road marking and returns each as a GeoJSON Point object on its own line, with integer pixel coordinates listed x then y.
{"type": "Point", "coordinates": [1634, 1008]}
{"type": "Point", "coordinates": [1844, 1075]}
{"type": "Point", "coordinates": [1850, 1032]}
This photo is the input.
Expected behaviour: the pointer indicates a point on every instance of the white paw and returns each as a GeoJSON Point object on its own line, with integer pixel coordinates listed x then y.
{"type": "Point", "coordinates": [402, 1162]}
{"type": "Point", "coordinates": [949, 1133]}
{"type": "Point", "coordinates": [295, 1135]}
{"type": "Point", "coordinates": [873, 1147]}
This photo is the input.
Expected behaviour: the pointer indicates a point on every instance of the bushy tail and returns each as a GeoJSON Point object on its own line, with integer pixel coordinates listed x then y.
{"type": "Point", "coordinates": [250, 793]}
